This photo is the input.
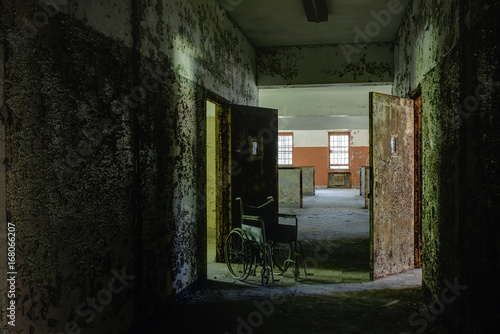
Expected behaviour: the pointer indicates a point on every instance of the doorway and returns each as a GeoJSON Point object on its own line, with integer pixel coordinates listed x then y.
{"type": "Point", "coordinates": [240, 162]}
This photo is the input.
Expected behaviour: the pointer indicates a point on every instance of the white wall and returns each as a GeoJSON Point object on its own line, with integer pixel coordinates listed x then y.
{"type": "Point", "coordinates": [321, 108]}
{"type": "Point", "coordinates": [360, 137]}
{"type": "Point", "coordinates": [319, 138]}
{"type": "Point", "coordinates": [316, 138]}
{"type": "Point", "coordinates": [321, 101]}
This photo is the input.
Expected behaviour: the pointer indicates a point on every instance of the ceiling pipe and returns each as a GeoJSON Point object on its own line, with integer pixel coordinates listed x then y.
{"type": "Point", "coordinates": [316, 10]}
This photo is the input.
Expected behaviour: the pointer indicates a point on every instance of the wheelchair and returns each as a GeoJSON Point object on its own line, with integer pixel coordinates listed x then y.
{"type": "Point", "coordinates": [260, 242]}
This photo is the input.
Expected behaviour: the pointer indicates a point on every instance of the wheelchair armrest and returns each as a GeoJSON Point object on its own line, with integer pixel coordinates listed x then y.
{"type": "Point", "coordinates": [251, 218]}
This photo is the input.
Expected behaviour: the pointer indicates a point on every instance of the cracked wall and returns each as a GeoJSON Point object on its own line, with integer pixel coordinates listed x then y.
{"type": "Point", "coordinates": [105, 124]}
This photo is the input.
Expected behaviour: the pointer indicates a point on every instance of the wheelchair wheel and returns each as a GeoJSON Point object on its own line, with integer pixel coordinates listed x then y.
{"type": "Point", "coordinates": [237, 254]}
{"type": "Point", "coordinates": [281, 252]}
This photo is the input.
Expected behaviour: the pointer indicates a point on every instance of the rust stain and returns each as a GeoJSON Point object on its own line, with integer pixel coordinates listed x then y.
{"type": "Point", "coordinates": [392, 197]}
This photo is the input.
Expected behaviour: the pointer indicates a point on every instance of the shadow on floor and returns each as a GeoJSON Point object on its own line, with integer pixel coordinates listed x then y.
{"type": "Point", "coordinates": [282, 311]}
{"type": "Point", "coordinates": [338, 298]}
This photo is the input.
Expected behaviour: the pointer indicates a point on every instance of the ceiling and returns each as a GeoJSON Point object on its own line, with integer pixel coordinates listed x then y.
{"type": "Point", "coordinates": [283, 22]}
{"type": "Point", "coordinates": [338, 101]}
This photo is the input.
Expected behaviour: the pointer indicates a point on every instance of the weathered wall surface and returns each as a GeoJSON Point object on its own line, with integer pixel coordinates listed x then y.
{"type": "Point", "coordinates": [451, 53]}
{"type": "Point", "coordinates": [479, 232]}
{"type": "Point", "coordinates": [308, 174]}
{"type": "Point", "coordinates": [427, 34]}
{"type": "Point", "coordinates": [211, 169]}
{"type": "Point", "coordinates": [290, 187]}
{"type": "Point", "coordinates": [324, 64]}
{"type": "Point", "coordinates": [201, 45]}
{"type": "Point", "coordinates": [105, 122]}
{"type": "Point", "coordinates": [440, 158]}
{"type": "Point", "coordinates": [360, 156]}
{"type": "Point", "coordinates": [391, 214]}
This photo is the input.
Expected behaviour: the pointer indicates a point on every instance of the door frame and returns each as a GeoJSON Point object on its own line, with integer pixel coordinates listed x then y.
{"type": "Point", "coordinates": [223, 175]}
{"type": "Point", "coordinates": [418, 257]}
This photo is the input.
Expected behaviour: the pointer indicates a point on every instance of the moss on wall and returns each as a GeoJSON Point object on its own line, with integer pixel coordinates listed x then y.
{"type": "Point", "coordinates": [427, 33]}
{"type": "Point", "coordinates": [450, 53]}
{"type": "Point", "coordinates": [440, 164]}
{"type": "Point", "coordinates": [479, 231]}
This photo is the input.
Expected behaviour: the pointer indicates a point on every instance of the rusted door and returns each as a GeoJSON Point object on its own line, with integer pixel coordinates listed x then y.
{"type": "Point", "coordinates": [392, 186]}
{"type": "Point", "coordinates": [254, 157]}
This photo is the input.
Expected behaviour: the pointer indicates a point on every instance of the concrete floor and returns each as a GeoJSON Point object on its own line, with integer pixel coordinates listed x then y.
{"type": "Point", "coordinates": [338, 298]}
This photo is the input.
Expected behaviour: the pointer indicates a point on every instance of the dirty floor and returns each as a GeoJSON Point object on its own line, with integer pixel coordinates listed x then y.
{"type": "Point", "coordinates": [338, 298]}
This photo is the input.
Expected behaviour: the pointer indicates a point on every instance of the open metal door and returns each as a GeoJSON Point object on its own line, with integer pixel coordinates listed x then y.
{"type": "Point", "coordinates": [392, 186]}
{"type": "Point", "coordinates": [254, 157]}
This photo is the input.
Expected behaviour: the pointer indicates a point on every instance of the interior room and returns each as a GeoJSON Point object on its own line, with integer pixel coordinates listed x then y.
{"type": "Point", "coordinates": [133, 133]}
{"type": "Point", "coordinates": [309, 115]}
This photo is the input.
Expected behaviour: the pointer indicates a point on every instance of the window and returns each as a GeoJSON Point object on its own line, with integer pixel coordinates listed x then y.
{"type": "Point", "coordinates": [285, 147]}
{"type": "Point", "coordinates": [339, 150]}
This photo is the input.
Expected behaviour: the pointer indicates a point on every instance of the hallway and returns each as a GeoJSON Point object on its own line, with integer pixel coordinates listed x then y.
{"type": "Point", "coordinates": [338, 298]}
{"type": "Point", "coordinates": [104, 173]}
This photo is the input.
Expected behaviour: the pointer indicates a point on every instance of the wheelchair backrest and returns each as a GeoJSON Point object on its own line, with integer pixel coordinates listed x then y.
{"type": "Point", "coordinates": [258, 220]}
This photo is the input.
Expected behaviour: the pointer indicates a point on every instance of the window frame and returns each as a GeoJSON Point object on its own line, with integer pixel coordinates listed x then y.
{"type": "Point", "coordinates": [348, 164]}
{"type": "Point", "coordinates": [285, 134]}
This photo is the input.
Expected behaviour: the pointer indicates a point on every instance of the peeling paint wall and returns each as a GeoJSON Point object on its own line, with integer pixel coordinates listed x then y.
{"type": "Point", "coordinates": [308, 175]}
{"type": "Point", "coordinates": [324, 64]}
{"type": "Point", "coordinates": [290, 187]}
{"type": "Point", "coordinates": [391, 200]}
{"type": "Point", "coordinates": [105, 122]}
{"type": "Point", "coordinates": [451, 53]}
{"type": "Point", "coordinates": [429, 32]}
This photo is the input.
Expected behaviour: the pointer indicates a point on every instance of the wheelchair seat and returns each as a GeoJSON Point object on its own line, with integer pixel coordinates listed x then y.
{"type": "Point", "coordinates": [274, 234]}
